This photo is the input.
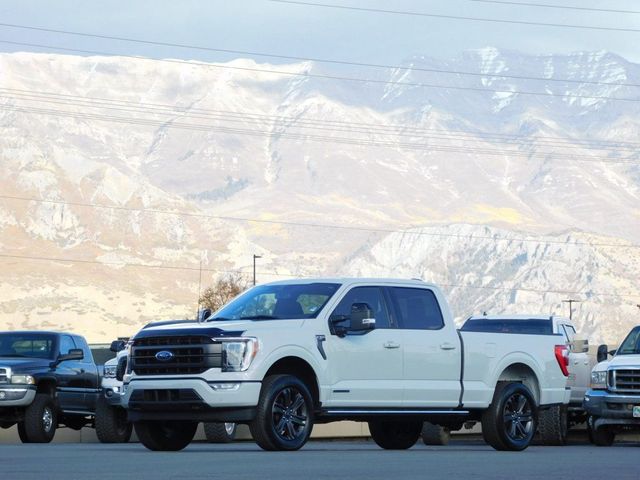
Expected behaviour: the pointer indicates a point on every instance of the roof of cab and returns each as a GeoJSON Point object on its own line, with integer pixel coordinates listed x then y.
{"type": "Point", "coordinates": [353, 280]}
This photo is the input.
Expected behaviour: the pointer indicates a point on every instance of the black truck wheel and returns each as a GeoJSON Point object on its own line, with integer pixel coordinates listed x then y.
{"type": "Point", "coordinates": [395, 434]}
{"type": "Point", "coordinates": [40, 420]}
{"type": "Point", "coordinates": [433, 434]}
{"type": "Point", "coordinates": [553, 425]}
{"type": "Point", "coordinates": [112, 425]}
{"type": "Point", "coordinates": [220, 432]}
{"type": "Point", "coordinates": [603, 436]}
{"type": "Point", "coordinates": [284, 417]}
{"type": "Point", "coordinates": [510, 421]}
{"type": "Point", "coordinates": [169, 436]}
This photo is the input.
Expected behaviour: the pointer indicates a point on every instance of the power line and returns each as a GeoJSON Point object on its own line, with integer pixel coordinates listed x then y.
{"type": "Point", "coordinates": [311, 59]}
{"type": "Point", "coordinates": [360, 127]}
{"type": "Point", "coordinates": [317, 138]}
{"type": "Point", "coordinates": [197, 269]}
{"type": "Point", "coordinates": [340, 78]}
{"type": "Point", "coordinates": [456, 17]}
{"type": "Point", "coordinates": [563, 7]}
{"type": "Point", "coordinates": [315, 125]}
{"type": "Point", "coordinates": [406, 230]}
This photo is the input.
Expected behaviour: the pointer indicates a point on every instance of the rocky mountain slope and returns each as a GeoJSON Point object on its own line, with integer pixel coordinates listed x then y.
{"type": "Point", "coordinates": [151, 169]}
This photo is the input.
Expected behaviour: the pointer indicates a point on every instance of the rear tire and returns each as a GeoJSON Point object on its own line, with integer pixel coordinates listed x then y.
{"type": "Point", "coordinates": [603, 437]}
{"type": "Point", "coordinates": [40, 420]}
{"type": "Point", "coordinates": [553, 426]}
{"type": "Point", "coordinates": [220, 432]}
{"type": "Point", "coordinates": [111, 423]}
{"type": "Point", "coordinates": [435, 434]}
{"type": "Point", "coordinates": [284, 417]}
{"type": "Point", "coordinates": [395, 434]}
{"type": "Point", "coordinates": [510, 421]}
{"type": "Point", "coordinates": [169, 436]}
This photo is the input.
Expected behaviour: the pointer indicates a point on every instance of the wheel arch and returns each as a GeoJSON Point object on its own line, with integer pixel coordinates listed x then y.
{"type": "Point", "coordinates": [300, 368]}
{"type": "Point", "coordinates": [522, 373]}
{"type": "Point", "coordinates": [47, 385]}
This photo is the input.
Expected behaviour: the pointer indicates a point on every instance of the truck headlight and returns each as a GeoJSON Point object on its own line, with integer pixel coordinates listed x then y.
{"type": "Point", "coordinates": [238, 353]}
{"type": "Point", "coordinates": [109, 371]}
{"type": "Point", "coordinates": [23, 380]}
{"type": "Point", "coordinates": [599, 380]}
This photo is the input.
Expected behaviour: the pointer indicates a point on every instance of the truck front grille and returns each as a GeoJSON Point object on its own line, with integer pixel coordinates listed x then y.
{"type": "Point", "coordinates": [186, 355]}
{"type": "Point", "coordinates": [4, 375]}
{"type": "Point", "coordinates": [625, 380]}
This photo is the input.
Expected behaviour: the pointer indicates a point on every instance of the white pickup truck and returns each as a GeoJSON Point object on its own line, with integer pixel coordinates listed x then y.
{"type": "Point", "coordinates": [555, 421]}
{"type": "Point", "coordinates": [613, 402]}
{"type": "Point", "coordinates": [285, 355]}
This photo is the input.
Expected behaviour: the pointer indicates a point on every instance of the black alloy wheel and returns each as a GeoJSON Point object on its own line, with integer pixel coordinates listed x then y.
{"type": "Point", "coordinates": [284, 417]}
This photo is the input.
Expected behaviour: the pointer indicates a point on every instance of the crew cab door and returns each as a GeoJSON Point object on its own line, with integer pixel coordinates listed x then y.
{"type": "Point", "coordinates": [365, 368]}
{"type": "Point", "coordinates": [69, 378]}
{"type": "Point", "coordinates": [89, 378]}
{"type": "Point", "coordinates": [431, 350]}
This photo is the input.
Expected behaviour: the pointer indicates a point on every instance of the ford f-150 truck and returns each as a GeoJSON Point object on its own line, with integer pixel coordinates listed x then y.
{"type": "Point", "coordinates": [286, 355]}
{"type": "Point", "coordinates": [553, 423]}
{"type": "Point", "coordinates": [613, 402]}
{"type": "Point", "coordinates": [46, 379]}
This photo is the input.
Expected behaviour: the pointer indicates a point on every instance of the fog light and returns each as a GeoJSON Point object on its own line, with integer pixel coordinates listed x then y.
{"type": "Point", "coordinates": [225, 386]}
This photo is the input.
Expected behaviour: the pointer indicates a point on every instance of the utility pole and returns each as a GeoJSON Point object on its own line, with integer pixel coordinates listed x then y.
{"type": "Point", "coordinates": [571, 301]}
{"type": "Point", "coordinates": [254, 267]}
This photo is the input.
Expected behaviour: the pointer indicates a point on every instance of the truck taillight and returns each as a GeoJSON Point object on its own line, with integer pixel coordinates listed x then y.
{"type": "Point", "coordinates": [562, 356]}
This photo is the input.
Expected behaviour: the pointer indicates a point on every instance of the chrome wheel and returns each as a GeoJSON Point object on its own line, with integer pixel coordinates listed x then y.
{"type": "Point", "coordinates": [47, 419]}
{"type": "Point", "coordinates": [518, 417]}
{"type": "Point", "coordinates": [289, 414]}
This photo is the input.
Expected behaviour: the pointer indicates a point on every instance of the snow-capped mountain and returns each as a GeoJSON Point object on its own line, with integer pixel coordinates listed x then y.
{"type": "Point", "coordinates": [156, 165]}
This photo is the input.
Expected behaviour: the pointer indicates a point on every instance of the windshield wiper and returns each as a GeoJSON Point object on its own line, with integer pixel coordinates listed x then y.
{"type": "Point", "coordinates": [259, 317]}
{"type": "Point", "coordinates": [218, 319]}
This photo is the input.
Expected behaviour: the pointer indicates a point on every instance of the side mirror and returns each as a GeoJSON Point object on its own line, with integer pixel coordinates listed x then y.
{"type": "Point", "coordinates": [74, 354]}
{"type": "Point", "coordinates": [603, 353]}
{"type": "Point", "coordinates": [362, 317]}
{"type": "Point", "coordinates": [117, 346]}
{"type": "Point", "coordinates": [204, 314]}
{"type": "Point", "coordinates": [579, 346]}
{"type": "Point", "coordinates": [336, 328]}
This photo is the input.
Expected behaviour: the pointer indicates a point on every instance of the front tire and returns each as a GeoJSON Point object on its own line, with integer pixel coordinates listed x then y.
{"type": "Point", "coordinates": [169, 436]}
{"type": "Point", "coordinates": [603, 437]}
{"type": "Point", "coordinates": [510, 421]}
{"type": "Point", "coordinates": [112, 425]}
{"type": "Point", "coordinates": [553, 426]}
{"type": "Point", "coordinates": [433, 434]}
{"type": "Point", "coordinates": [220, 432]}
{"type": "Point", "coordinates": [40, 420]}
{"type": "Point", "coordinates": [284, 417]}
{"type": "Point", "coordinates": [395, 434]}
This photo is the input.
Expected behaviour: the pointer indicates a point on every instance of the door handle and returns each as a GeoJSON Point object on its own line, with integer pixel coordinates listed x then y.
{"type": "Point", "coordinates": [447, 346]}
{"type": "Point", "coordinates": [391, 345]}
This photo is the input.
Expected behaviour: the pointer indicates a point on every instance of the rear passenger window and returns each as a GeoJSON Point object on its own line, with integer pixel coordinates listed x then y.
{"type": "Point", "coordinates": [417, 308]}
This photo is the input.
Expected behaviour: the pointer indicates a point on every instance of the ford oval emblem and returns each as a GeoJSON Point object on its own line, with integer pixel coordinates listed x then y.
{"type": "Point", "coordinates": [164, 355]}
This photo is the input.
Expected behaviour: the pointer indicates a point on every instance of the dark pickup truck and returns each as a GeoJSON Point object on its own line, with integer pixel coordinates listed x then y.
{"type": "Point", "coordinates": [46, 379]}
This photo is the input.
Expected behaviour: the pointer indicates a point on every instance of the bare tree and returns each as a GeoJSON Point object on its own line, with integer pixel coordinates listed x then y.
{"type": "Point", "coordinates": [223, 290]}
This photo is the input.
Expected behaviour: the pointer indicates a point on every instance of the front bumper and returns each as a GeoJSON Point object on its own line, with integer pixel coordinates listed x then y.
{"type": "Point", "coordinates": [611, 408]}
{"type": "Point", "coordinates": [190, 399]}
{"type": "Point", "coordinates": [16, 395]}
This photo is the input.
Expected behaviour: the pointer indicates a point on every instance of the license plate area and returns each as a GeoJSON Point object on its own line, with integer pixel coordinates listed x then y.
{"type": "Point", "coordinates": [636, 411]}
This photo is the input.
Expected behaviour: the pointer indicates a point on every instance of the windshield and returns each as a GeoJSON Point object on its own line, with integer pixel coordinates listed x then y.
{"type": "Point", "coordinates": [28, 345]}
{"type": "Point", "coordinates": [631, 344]}
{"type": "Point", "coordinates": [278, 302]}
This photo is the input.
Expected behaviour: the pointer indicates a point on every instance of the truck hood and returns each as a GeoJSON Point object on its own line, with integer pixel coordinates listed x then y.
{"type": "Point", "coordinates": [624, 361]}
{"type": "Point", "coordinates": [223, 328]}
{"type": "Point", "coordinates": [19, 365]}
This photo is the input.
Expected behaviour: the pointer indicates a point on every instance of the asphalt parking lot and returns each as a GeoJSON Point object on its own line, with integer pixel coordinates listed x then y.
{"type": "Point", "coordinates": [318, 459]}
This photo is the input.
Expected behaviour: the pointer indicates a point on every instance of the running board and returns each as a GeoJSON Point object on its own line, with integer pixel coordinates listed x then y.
{"type": "Point", "coordinates": [330, 411]}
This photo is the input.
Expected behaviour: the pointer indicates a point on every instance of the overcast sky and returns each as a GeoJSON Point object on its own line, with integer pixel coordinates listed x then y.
{"type": "Point", "coordinates": [307, 31]}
